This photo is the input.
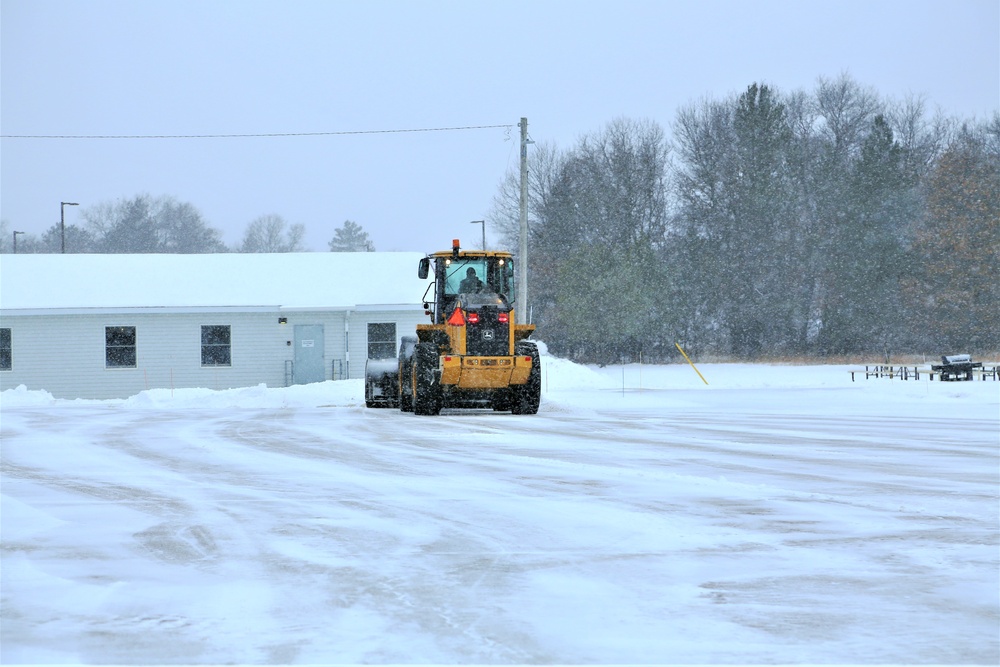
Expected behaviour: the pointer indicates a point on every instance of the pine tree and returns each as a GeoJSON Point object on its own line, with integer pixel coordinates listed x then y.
{"type": "Point", "coordinates": [183, 230]}
{"type": "Point", "coordinates": [866, 258]}
{"type": "Point", "coordinates": [143, 224]}
{"type": "Point", "coordinates": [78, 240]}
{"type": "Point", "coordinates": [133, 229]}
{"type": "Point", "coordinates": [350, 237]}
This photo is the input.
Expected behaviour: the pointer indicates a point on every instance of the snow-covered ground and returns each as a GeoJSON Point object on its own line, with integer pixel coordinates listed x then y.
{"type": "Point", "coordinates": [780, 514]}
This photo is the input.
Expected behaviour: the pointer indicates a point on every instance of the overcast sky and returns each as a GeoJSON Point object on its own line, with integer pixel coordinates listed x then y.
{"type": "Point", "coordinates": [182, 67]}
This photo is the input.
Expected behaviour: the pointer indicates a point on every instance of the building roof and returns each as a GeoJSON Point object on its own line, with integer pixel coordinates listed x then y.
{"type": "Point", "coordinates": [289, 281]}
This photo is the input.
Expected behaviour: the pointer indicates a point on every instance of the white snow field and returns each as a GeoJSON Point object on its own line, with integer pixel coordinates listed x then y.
{"type": "Point", "coordinates": [780, 514]}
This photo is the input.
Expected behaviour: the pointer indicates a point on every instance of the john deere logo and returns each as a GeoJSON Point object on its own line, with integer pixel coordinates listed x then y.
{"type": "Point", "coordinates": [487, 335]}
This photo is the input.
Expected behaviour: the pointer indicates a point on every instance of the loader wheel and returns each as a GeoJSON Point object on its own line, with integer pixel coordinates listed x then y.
{"type": "Point", "coordinates": [526, 397]}
{"type": "Point", "coordinates": [406, 373]}
{"type": "Point", "coordinates": [426, 381]}
{"type": "Point", "coordinates": [500, 401]}
{"type": "Point", "coordinates": [406, 391]}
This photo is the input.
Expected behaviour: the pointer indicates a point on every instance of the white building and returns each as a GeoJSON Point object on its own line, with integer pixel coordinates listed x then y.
{"type": "Point", "coordinates": [110, 326]}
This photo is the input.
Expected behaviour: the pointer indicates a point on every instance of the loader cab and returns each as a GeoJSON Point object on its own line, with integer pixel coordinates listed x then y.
{"type": "Point", "coordinates": [494, 280]}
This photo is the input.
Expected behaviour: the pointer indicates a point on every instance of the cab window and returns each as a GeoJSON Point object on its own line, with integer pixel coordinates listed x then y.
{"type": "Point", "coordinates": [458, 279]}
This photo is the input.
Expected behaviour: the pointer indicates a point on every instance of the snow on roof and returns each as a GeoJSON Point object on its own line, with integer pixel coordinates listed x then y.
{"type": "Point", "coordinates": [237, 280]}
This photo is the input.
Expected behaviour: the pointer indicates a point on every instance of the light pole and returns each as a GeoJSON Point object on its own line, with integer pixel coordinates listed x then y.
{"type": "Point", "coordinates": [483, 223]}
{"type": "Point", "coordinates": [15, 241]}
{"type": "Point", "coordinates": [62, 222]}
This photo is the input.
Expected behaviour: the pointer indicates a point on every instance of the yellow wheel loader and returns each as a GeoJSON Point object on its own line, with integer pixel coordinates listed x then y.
{"type": "Point", "coordinates": [472, 354]}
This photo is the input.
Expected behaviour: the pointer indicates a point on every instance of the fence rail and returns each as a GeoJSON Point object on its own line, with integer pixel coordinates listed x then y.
{"type": "Point", "coordinates": [914, 373]}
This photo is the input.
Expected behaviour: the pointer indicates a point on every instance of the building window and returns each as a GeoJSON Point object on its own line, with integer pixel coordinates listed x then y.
{"type": "Point", "coordinates": [216, 349]}
{"type": "Point", "coordinates": [6, 356]}
{"type": "Point", "coordinates": [119, 347]}
{"type": "Point", "coordinates": [382, 340]}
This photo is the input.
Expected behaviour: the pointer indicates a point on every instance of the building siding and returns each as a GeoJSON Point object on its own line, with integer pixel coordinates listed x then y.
{"type": "Point", "coordinates": [64, 354]}
{"type": "Point", "coordinates": [406, 325]}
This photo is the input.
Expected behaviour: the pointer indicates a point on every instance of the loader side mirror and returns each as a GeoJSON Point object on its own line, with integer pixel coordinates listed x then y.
{"type": "Point", "coordinates": [424, 268]}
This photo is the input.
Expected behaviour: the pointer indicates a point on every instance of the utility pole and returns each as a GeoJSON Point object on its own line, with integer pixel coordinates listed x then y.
{"type": "Point", "coordinates": [522, 246]}
{"type": "Point", "coordinates": [62, 222]}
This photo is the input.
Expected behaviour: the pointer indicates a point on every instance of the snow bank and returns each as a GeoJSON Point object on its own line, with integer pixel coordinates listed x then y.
{"type": "Point", "coordinates": [561, 379]}
{"type": "Point", "coordinates": [342, 393]}
{"type": "Point", "coordinates": [562, 374]}
{"type": "Point", "coordinates": [21, 396]}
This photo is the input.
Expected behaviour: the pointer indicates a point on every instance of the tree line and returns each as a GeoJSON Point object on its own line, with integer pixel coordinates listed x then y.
{"type": "Point", "coordinates": [147, 224]}
{"type": "Point", "coordinates": [822, 224]}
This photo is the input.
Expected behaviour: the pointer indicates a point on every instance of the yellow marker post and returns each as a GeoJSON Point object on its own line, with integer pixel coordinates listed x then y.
{"type": "Point", "coordinates": [692, 363]}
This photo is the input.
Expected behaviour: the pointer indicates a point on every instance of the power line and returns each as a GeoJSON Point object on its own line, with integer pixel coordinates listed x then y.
{"type": "Point", "coordinates": [247, 136]}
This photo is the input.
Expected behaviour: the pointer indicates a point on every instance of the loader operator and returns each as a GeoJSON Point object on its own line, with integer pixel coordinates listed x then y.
{"type": "Point", "coordinates": [471, 284]}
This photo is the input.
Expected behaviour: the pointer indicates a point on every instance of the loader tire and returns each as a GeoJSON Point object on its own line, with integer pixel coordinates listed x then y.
{"type": "Point", "coordinates": [406, 373]}
{"type": "Point", "coordinates": [426, 380]}
{"type": "Point", "coordinates": [406, 391]}
{"type": "Point", "coordinates": [500, 400]}
{"type": "Point", "coordinates": [526, 397]}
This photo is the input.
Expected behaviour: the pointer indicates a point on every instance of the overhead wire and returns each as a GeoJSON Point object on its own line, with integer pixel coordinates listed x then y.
{"type": "Point", "coordinates": [251, 136]}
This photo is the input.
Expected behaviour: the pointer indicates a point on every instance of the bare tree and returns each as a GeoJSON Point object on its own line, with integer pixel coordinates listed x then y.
{"type": "Point", "coordinates": [922, 140]}
{"type": "Point", "coordinates": [270, 233]}
{"type": "Point", "coordinates": [6, 236]}
{"type": "Point", "coordinates": [544, 164]}
{"type": "Point", "coordinates": [100, 218]}
{"type": "Point", "coordinates": [847, 109]}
